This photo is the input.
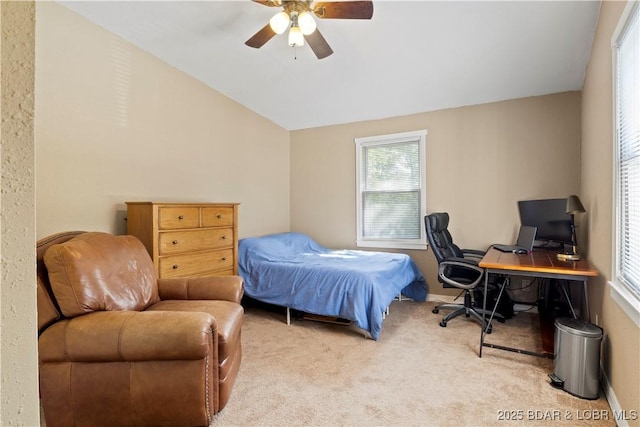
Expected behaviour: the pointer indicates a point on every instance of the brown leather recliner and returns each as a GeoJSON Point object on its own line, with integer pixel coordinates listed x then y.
{"type": "Point", "coordinates": [118, 346]}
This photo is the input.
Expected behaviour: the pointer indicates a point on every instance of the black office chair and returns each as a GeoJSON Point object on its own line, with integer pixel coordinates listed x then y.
{"type": "Point", "coordinates": [457, 268]}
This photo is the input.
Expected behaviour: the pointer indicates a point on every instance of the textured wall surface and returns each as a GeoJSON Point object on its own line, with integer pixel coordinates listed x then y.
{"type": "Point", "coordinates": [18, 348]}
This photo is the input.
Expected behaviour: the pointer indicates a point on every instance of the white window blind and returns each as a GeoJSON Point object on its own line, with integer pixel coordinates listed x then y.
{"type": "Point", "coordinates": [391, 190]}
{"type": "Point", "coordinates": [627, 103]}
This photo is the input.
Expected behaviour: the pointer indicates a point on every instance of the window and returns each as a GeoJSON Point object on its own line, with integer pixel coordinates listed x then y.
{"type": "Point", "coordinates": [626, 62]}
{"type": "Point", "coordinates": [391, 190]}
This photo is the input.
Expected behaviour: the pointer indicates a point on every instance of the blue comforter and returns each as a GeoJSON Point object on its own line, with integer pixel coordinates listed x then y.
{"type": "Point", "coordinates": [292, 270]}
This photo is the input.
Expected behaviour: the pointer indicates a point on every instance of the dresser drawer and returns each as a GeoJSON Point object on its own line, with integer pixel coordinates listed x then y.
{"type": "Point", "coordinates": [178, 217]}
{"type": "Point", "coordinates": [173, 242]}
{"type": "Point", "coordinates": [196, 264]}
{"type": "Point", "coordinates": [217, 216]}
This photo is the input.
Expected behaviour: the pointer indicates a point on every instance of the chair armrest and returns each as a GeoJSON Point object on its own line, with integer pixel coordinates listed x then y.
{"type": "Point", "coordinates": [466, 261]}
{"type": "Point", "coordinates": [459, 263]}
{"type": "Point", "coordinates": [473, 253]}
{"type": "Point", "coordinates": [116, 336]}
{"type": "Point", "coordinates": [227, 288]}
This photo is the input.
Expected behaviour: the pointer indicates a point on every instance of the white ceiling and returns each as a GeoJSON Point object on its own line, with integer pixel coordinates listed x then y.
{"type": "Point", "coordinates": [411, 57]}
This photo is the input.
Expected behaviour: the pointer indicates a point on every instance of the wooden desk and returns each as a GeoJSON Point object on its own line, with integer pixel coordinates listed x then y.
{"type": "Point", "coordinates": [539, 263]}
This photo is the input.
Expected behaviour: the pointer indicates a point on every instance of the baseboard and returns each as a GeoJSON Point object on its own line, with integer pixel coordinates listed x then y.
{"type": "Point", "coordinates": [617, 411]}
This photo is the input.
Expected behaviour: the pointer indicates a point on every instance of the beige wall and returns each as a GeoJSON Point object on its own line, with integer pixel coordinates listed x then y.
{"type": "Point", "coordinates": [18, 333]}
{"type": "Point", "coordinates": [621, 347]}
{"type": "Point", "coordinates": [480, 161]}
{"type": "Point", "coordinates": [115, 124]}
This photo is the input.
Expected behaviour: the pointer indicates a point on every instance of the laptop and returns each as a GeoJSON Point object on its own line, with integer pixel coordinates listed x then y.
{"type": "Point", "coordinates": [524, 244]}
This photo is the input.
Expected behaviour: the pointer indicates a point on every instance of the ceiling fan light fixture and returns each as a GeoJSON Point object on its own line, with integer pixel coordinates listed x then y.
{"type": "Point", "coordinates": [307, 23]}
{"type": "Point", "coordinates": [298, 17]}
{"type": "Point", "coordinates": [280, 22]}
{"type": "Point", "coordinates": [296, 38]}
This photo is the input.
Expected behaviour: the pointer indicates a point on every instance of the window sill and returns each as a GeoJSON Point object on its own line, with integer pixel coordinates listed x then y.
{"type": "Point", "coordinates": [629, 303]}
{"type": "Point", "coordinates": [386, 244]}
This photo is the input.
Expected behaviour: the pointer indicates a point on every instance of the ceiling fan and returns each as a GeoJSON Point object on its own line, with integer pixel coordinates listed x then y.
{"type": "Point", "coordinates": [297, 16]}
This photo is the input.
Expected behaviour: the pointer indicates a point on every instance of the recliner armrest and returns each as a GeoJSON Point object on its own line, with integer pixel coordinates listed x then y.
{"type": "Point", "coordinates": [116, 336]}
{"type": "Point", "coordinates": [227, 288]}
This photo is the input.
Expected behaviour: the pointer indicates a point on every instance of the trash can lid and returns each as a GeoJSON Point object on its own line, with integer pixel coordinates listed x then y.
{"type": "Point", "coordinates": [578, 327]}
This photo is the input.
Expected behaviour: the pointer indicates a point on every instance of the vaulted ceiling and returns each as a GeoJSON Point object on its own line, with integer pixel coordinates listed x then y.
{"type": "Point", "coordinates": [411, 57]}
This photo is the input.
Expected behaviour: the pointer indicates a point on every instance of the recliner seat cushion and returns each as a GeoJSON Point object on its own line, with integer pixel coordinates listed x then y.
{"type": "Point", "coordinates": [101, 272]}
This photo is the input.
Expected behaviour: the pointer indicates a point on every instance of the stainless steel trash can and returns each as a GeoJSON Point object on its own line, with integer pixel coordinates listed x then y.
{"type": "Point", "coordinates": [576, 362]}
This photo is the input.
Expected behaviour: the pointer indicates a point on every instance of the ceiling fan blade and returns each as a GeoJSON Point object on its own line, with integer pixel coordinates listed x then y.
{"type": "Point", "coordinates": [318, 44]}
{"type": "Point", "coordinates": [261, 37]}
{"type": "Point", "coordinates": [344, 9]}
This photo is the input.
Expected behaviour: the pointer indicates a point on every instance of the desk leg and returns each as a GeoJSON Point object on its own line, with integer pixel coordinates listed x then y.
{"type": "Point", "coordinates": [586, 301]}
{"type": "Point", "coordinates": [586, 316]}
{"type": "Point", "coordinates": [484, 310]}
{"type": "Point", "coordinates": [563, 286]}
{"type": "Point", "coordinates": [487, 326]}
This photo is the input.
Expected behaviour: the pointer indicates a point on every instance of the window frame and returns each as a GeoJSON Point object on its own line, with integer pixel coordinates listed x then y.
{"type": "Point", "coordinates": [620, 292]}
{"type": "Point", "coordinates": [395, 138]}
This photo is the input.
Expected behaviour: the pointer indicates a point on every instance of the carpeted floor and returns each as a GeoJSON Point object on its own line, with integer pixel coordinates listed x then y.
{"type": "Point", "coordinates": [417, 374]}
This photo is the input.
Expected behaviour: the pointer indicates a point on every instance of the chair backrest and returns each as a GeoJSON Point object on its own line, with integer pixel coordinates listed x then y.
{"type": "Point", "coordinates": [93, 271]}
{"type": "Point", "coordinates": [439, 237]}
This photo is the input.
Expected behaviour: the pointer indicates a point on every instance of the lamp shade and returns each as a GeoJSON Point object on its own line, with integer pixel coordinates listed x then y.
{"type": "Point", "coordinates": [279, 22]}
{"type": "Point", "coordinates": [296, 39]}
{"type": "Point", "coordinates": [307, 23]}
{"type": "Point", "coordinates": [574, 205]}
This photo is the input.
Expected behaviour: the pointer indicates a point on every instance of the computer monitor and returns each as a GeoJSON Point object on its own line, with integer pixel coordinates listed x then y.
{"type": "Point", "coordinates": [551, 219]}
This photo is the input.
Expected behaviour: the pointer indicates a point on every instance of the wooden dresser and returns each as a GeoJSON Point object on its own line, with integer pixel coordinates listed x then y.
{"type": "Point", "coordinates": [187, 239]}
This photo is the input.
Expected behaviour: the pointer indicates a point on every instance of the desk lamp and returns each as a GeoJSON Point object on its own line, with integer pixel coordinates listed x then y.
{"type": "Point", "coordinates": [574, 206]}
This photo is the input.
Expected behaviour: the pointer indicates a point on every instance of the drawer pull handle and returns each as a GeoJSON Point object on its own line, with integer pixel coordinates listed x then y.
{"type": "Point", "coordinates": [224, 258]}
{"type": "Point", "coordinates": [219, 216]}
{"type": "Point", "coordinates": [175, 242]}
{"type": "Point", "coordinates": [224, 237]}
{"type": "Point", "coordinates": [181, 217]}
{"type": "Point", "coordinates": [175, 267]}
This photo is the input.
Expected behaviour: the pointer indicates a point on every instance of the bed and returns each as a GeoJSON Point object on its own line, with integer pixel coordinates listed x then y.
{"type": "Point", "coordinates": [294, 271]}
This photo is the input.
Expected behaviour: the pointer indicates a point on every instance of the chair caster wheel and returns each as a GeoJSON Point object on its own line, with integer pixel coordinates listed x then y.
{"type": "Point", "coordinates": [488, 330]}
{"type": "Point", "coordinates": [435, 310]}
{"type": "Point", "coordinates": [501, 320]}
{"type": "Point", "coordinates": [443, 323]}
